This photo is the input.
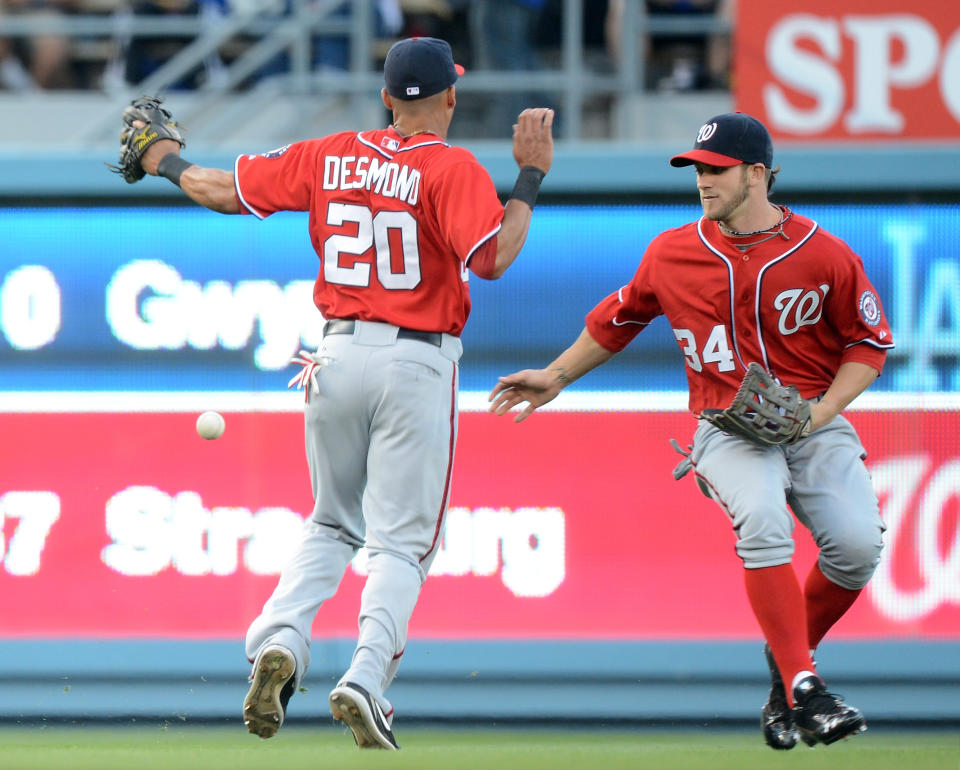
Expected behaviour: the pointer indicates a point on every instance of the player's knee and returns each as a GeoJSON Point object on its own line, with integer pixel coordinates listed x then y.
{"type": "Point", "coordinates": [756, 556]}
{"type": "Point", "coordinates": [764, 539]}
{"type": "Point", "coordinates": [850, 563]}
{"type": "Point", "coordinates": [766, 543]}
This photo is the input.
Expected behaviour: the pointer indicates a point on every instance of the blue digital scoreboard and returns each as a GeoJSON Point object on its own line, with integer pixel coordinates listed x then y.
{"type": "Point", "coordinates": [181, 298]}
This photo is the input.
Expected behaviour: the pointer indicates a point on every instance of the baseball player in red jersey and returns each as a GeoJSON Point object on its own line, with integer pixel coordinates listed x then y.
{"type": "Point", "coordinates": [755, 282]}
{"type": "Point", "coordinates": [398, 219]}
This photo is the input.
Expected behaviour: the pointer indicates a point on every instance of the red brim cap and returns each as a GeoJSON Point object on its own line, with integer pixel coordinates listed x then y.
{"type": "Point", "coordinates": [459, 68]}
{"type": "Point", "coordinates": [704, 156]}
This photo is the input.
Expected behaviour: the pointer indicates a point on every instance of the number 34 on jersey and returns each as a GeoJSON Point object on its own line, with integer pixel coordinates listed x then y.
{"type": "Point", "coordinates": [714, 350]}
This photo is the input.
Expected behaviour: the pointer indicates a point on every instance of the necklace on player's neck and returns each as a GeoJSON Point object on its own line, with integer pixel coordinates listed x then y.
{"type": "Point", "coordinates": [770, 233]}
{"type": "Point", "coordinates": [778, 227]}
{"type": "Point", "coordinates": [412, 133]}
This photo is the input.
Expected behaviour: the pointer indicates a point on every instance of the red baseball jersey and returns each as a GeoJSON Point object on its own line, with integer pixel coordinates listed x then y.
{"type": "Point", "coordinates": [800, 305]}
{"type": "Point", "coordinates": [395, 221]}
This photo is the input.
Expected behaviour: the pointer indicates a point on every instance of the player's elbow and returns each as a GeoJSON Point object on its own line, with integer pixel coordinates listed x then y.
{"type": "Point", "coordinates": [211, 188]}
{"type": "Point", "coordinates": [226, 206]}
{"type": "Point", "coordinates": [505, 258]}
{"type": "Point", "coordinates": [498, 271]}
{"type": "Point", "coordinates": [491, 261]}
{"type": "Point", "coordinates": [490, 274]}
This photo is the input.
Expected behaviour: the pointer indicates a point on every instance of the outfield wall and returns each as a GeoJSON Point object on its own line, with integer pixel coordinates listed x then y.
{"type": "Point", "coordinates": [679, 682]}
{"type": "Point", "coordinates": [577, 579]}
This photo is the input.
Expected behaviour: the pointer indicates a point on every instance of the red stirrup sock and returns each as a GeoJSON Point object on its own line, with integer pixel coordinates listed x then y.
{"type": "Point", "coordinates": [778, 604]}
{"type": "Point", "coordinates": [826, 604]}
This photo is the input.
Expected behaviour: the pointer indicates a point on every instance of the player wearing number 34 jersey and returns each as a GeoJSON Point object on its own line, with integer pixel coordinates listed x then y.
{"type": "Point", "coordinates": [398, 218]}
{"type": "Point", "coordinates": [754, 291]}
{"type": "Point", "coordinates": [799, 303]}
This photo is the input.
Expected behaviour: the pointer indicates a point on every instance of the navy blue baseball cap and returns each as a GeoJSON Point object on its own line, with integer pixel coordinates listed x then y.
{"type": "Point", "coordinates": [729, 140]}
{"type": "Point", "coordinates": [417, 67]}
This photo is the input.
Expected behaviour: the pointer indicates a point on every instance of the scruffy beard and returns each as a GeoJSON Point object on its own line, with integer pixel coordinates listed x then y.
{"type": "Point", "coordinates": [741, 195]}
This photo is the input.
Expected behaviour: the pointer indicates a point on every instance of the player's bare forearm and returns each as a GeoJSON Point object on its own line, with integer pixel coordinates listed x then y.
{"type": "Point", "coordinates": [852, 379]}
{"type": "Point", "coordinates": [212, 188]}
{"type": "Point", "coordinates": [584, 355]}
{"type": "Point", "coordinates": [512, 235]}
{"type": "Point", "coordinates": [540, 386]}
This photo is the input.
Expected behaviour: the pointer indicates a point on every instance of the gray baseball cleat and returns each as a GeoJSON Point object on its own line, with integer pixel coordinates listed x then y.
{"type": "Point", "coordinates": [271, 685]}
{"type": "Point", "coordinates": [776, 720]}
{"type": "Point", "coordinates": [821, 716]}
{"type": "Point", "coordinates": [358, 710]}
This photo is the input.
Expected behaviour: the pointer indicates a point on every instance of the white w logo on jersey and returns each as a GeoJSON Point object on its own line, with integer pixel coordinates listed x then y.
{"type": "Point", "coordinates": [798, 308]}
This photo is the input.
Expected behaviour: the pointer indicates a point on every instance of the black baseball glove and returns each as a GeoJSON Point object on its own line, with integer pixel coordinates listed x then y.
{"type": "Point", "coordinates": [135, 141]}
{"type": "Point", "coordinates": [763, 411]}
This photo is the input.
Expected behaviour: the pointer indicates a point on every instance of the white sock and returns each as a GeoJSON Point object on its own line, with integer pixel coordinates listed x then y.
{"type": "Point", "coordinates": [801, 675]}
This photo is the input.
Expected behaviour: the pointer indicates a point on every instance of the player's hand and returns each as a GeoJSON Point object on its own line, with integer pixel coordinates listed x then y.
{"type": "Point", "coordinates": [533, 138]}
{"type": "Point", "coordinates": [821, 413]}
{"type": "Point", "coordinates": [155, 152]}
{"type": "Point", "coordinates": [535, 386]}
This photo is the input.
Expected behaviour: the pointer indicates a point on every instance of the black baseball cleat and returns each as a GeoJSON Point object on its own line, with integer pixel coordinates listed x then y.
{"type": "Point", "coordinates": [271, 685]}
{"type": "Point", "coordinates": [358, 710]}
{"type": "Point", "coordinates": [776, 721]}
{"type": "Point", "coordinates": [821, 716]}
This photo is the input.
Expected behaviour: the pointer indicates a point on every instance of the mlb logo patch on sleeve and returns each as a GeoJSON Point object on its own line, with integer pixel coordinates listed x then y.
{"type": "Point", "coordinates": [277, 152]}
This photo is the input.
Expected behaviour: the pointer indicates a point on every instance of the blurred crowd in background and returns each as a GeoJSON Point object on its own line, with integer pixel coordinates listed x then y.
{"type": "Point", "coordinates": [485, 34]}
{"type": "Point", "coordinates": [500, 35]}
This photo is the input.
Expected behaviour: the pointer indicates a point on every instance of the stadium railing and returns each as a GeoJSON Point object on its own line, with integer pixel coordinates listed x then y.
{"type": "Point", "coordinates": [260, 34]}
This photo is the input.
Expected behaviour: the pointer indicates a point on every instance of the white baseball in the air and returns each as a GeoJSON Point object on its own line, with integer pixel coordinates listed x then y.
{"type": "Point", "coordinates": [210, 425]}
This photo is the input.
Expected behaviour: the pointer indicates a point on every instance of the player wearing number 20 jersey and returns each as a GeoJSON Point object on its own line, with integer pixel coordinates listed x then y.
{"type": "Point", "coordinates": [396, 222]}
{"type": "Point", "coordinates": [397, 218]}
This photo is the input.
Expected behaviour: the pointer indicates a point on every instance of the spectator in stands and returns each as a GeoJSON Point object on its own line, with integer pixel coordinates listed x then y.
{"type": "Point", "coordinates": [40, 61]}
{"type": "Point", "coordinates": [719, 48]}
{"type": "Point", "coordinates": [503, 35]}
{"type": "Point", "coordinates": [334, 52]}
{"type": "Point", "coordinates": [328, 51]}
{"type": "Point", "coordinates": [145, 54]}
{"type": "Point", "coordinates": [691, 62]}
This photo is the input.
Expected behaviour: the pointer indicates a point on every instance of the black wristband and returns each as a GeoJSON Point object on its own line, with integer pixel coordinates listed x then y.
{"type": "Point", "coordinates": [172, 166]}
{"type": "Point", "coordinates": [528, 185]}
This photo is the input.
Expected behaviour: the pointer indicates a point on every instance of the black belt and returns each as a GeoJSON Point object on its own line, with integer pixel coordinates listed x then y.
{"type": "Point", "coordinates": [341, 326]}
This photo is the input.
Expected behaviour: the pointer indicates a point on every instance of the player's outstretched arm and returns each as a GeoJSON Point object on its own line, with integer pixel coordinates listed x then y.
{"type": "Point", "coordinates": [537, 387]}
{"type": "Point", "coordinates": [533, 152]}
{"type": "Point", "coordinates": [150, 143]}
{"type": "Point", "coordinates": [210, 187]}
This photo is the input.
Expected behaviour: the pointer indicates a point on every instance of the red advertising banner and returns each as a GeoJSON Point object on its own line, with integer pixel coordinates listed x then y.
{"type": "Point", "coordinates": [844, 69]}
{"type": "Point", "coordinates": [567, 526]}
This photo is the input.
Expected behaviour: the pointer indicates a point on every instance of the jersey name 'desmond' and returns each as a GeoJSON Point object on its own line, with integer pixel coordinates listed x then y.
{"type": "Point", "coordinates": [396, 222]}
{"type": "Point", "coordinates": [386, 178]}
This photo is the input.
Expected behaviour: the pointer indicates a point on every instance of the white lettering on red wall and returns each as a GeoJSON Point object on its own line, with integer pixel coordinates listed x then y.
{"type": "Point", "coordinates": [527, 542]}
{"type": "Point", "coordinates": [840, 68]}
{"type": "Point", "coordinates": [152, 531]}
{"type": "Point", "coordinates": [107, 533]}
{"type": "Point", "coordinates": [32, 515]}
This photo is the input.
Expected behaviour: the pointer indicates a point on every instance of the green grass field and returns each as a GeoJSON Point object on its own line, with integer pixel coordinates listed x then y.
{"type": "Point", "coordinates": [221, 748]}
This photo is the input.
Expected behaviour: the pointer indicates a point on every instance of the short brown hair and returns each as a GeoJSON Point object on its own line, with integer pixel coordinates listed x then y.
{"type": "Point", "coordinates": [772, 178]}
